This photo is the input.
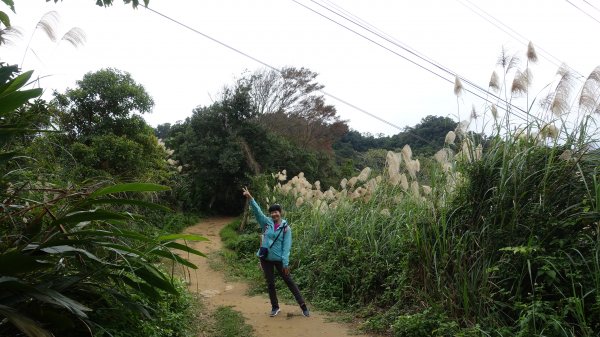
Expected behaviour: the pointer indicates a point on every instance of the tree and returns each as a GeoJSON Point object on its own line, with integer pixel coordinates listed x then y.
{"type": "Point", "coordinates": [221, 146]}
{"type": "Point", "coordinates": [104, 132]}
{"type": "Point", "coordinates": [162, 130]}
{"type": "Point", "coordinates": [217, 146]}
{"type": "Point", "coordinates": [288, 102]}
{"type": "Point", "coordinates": [100, 97]}
{"type": "Point", "coordinates": [425, 138]}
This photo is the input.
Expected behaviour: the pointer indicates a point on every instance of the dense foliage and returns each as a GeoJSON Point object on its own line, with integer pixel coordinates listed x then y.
{"type": "Point", "coordinates": [457, 234]}
{"type": "Point", "coordinates": [498, 238]}
{"type": "Point", "coordinates": [220, 147]}
{"type": "Point", "coordinates": [425, 138]}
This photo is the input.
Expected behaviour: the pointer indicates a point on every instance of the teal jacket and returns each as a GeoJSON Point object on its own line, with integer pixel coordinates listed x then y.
{"type": "Point", "coordinates": [280, 251]}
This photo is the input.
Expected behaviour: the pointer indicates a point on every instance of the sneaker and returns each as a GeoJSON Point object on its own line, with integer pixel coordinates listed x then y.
{"type": "Point", "coordinates": [274, 312]}
{"type": "Point", "coordinates": [305, 313]}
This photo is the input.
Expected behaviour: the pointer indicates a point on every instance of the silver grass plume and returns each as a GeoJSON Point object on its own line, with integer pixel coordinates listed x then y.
{"type": "Point", "coordinates": [9, 34]}
{"type": "Point", "coordinates": [48, 24]}
{"type": "Point", "coordinates": [566, 155]}
{"type": "Point", "coordinates": [503, 58]}
{"type": "Point", "coordinates": [513, 62]}
{"type": "Point", "coordinates": [364, 174]}
{"type": "Point", "coordinates": [494, 81]}
{"type": "Point", "coordinates": [458, 87]}
{"type": "Point", "coordinates": [406, 153]}
{"type": "Point", "coordinates": [521, 82]}
{"type": "Point", "coordinates": [450, 137]}
{"type": "Point", "coordinates": [588, 99]}
{"type": "Point", "coordinates": [531, 54]}
{"type": "Point", "coordinates": [75, 36]}
{"type": "Point", "coordinates": [494, 111]}
{"type": "Point", "coordinates": [393, 166]}
{"type": "Point", "coordinates": [414, 186]}
{"type": "Point", "coordinates": [562, 93]}
{"type": "Point", "coordinates": [474, 114]}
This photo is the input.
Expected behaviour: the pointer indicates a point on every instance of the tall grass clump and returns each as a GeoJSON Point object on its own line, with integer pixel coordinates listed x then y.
{"type": "Point", "coordinates": [499, 237]}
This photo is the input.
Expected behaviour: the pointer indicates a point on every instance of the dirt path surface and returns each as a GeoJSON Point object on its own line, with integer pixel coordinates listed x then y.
{"type": "Point", "coordinates": [217, 291]}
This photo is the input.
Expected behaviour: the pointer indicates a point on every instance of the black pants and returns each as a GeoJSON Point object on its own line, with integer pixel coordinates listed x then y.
{"type": "Point", "coordinates": [267, 267]}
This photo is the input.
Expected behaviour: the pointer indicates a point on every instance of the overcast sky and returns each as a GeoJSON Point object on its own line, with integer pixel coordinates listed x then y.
{"type": "Point", "coordinates": [182, 69]}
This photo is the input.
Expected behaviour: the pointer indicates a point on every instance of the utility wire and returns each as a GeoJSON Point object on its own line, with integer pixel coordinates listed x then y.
{"type": "Point", "coordinates": [513, 33]}
{"type": "Point", "coordinates": [591, 5]}
{"type": "Point", "coordinates": [582, 11]}
{"type": "Point", "coordinates": [279, 71]}
{"type": "Point", "coordinates": [415, 53]}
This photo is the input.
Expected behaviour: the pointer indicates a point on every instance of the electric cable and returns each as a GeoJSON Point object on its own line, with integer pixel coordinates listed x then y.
{"type": "Point", "coordinates": [508, 104]}
{"type": "Point", "coordinates": [279, 71]}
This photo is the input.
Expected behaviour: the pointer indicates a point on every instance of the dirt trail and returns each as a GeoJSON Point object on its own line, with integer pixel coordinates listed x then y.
{"type": "Point", "coordinates": [217, 291]}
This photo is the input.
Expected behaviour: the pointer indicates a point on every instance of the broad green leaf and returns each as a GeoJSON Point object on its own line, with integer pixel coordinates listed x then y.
{"type": "Point", "coordinates": [70, 249]}
{"type": "Point", "coordinates": [189, 237]}
{"type": "Point", "coordinates": [6, 73]}
{"type": "Point", "coordinates": [98, 214]}
{"type": "Point", "coordinates": [143, 287]}
{"type": "Point", "coordinates": [176, 245]}
{"type": "Point", "coordinates": [23, 323]}
{"type": "Point", "coordinates": [115, 234]}
{"type": "Point", "coordinates": [14, 100]}
{"type": "Point", "coordinates": [16, 83]}
{"type": "Point", "coordinates": [15, 263]}
{"type": "Point", "coordinates": [10, 3]}
{"type": "Point", "coordinates": [130, 187]}
{"type": "Point", "coordinates": [54, 297]}
{"type": "Point", "coordinates": [4, 19]}
{"type": "Point", "coordinates": [133, 202]}
{"type": "Point", "coordinates": [154, 278]}
{"type": "Point", "coordinates": [123, 249]}
{"type": "Point", "coordinates": [174, 257]}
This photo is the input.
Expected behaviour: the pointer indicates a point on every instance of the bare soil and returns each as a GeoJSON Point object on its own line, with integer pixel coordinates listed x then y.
{"type": "Point", "coordinates": [217, 291]}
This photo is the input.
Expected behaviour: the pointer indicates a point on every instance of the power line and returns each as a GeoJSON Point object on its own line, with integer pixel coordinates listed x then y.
{"type": "Point", "coordinates": [511, 32]}
{"type": "Point", "coordinates": [417, 54]}
{"type": "Point", "coordinates": [279, 71]}
{"type": "Point", "coordinates": [582, 11]}
{"type": "Point", "coordinates": [591, 5]}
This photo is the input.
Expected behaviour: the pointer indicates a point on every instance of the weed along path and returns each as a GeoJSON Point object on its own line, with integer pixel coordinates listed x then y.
{"type": "Point", "coordinates": [217, 291]}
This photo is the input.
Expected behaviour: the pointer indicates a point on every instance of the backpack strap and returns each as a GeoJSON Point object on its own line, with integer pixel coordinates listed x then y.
{"type": "Point", "coordinates": [277, 237]}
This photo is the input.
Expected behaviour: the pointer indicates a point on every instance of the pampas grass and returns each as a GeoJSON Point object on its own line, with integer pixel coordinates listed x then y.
{"type": "Point", "coordinates": [560, 102]}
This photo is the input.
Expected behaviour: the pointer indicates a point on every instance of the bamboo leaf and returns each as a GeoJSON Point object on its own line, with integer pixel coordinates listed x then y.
{"type": "Point", "coordinates": [176, 245]}
{"type": "Point", "coordinates": [14, 100]}
{"type": "Point", "coordinates": [54, 297]}
{"type": "Point", "coordinates": [123, 249]}
{"type": "Point", "coordinates": [70, 249]}
{"type": "Point", "coordinates": [4, 19]}
{"type": "Point", "coordinates": [143, 287]}
{"type": "Point", "coordinates": [154, 278]}
{"type": "Point", "coordinates": [174, 257]}
{"type": "Point", "coordinates": [23, 323]}
{"type": "Point", "coordinates": [133, 202]}
{"type": "Point", "coordinates": [130, 187]}
{"type": "Point", "coordinates": [115, 234]}
{"type": "Point", "coordinates": [189, 237]}
{"type": "Point", "coordinates": [10, 3]}
{"type": "Point", "coordinates": [15, 263]}
{"type": "Point", "coordinates": [17, 83]}
{"type": "Point", "coordinates": [98, 214]}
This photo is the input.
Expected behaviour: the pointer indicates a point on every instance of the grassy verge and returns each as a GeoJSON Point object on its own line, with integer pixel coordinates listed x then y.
{"type": "Point", "coordinates": [237, 260]}
{"type": "Point", "coordinates": [230, 323]}
{"type": "Point", "coordinates": [223, 322]}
